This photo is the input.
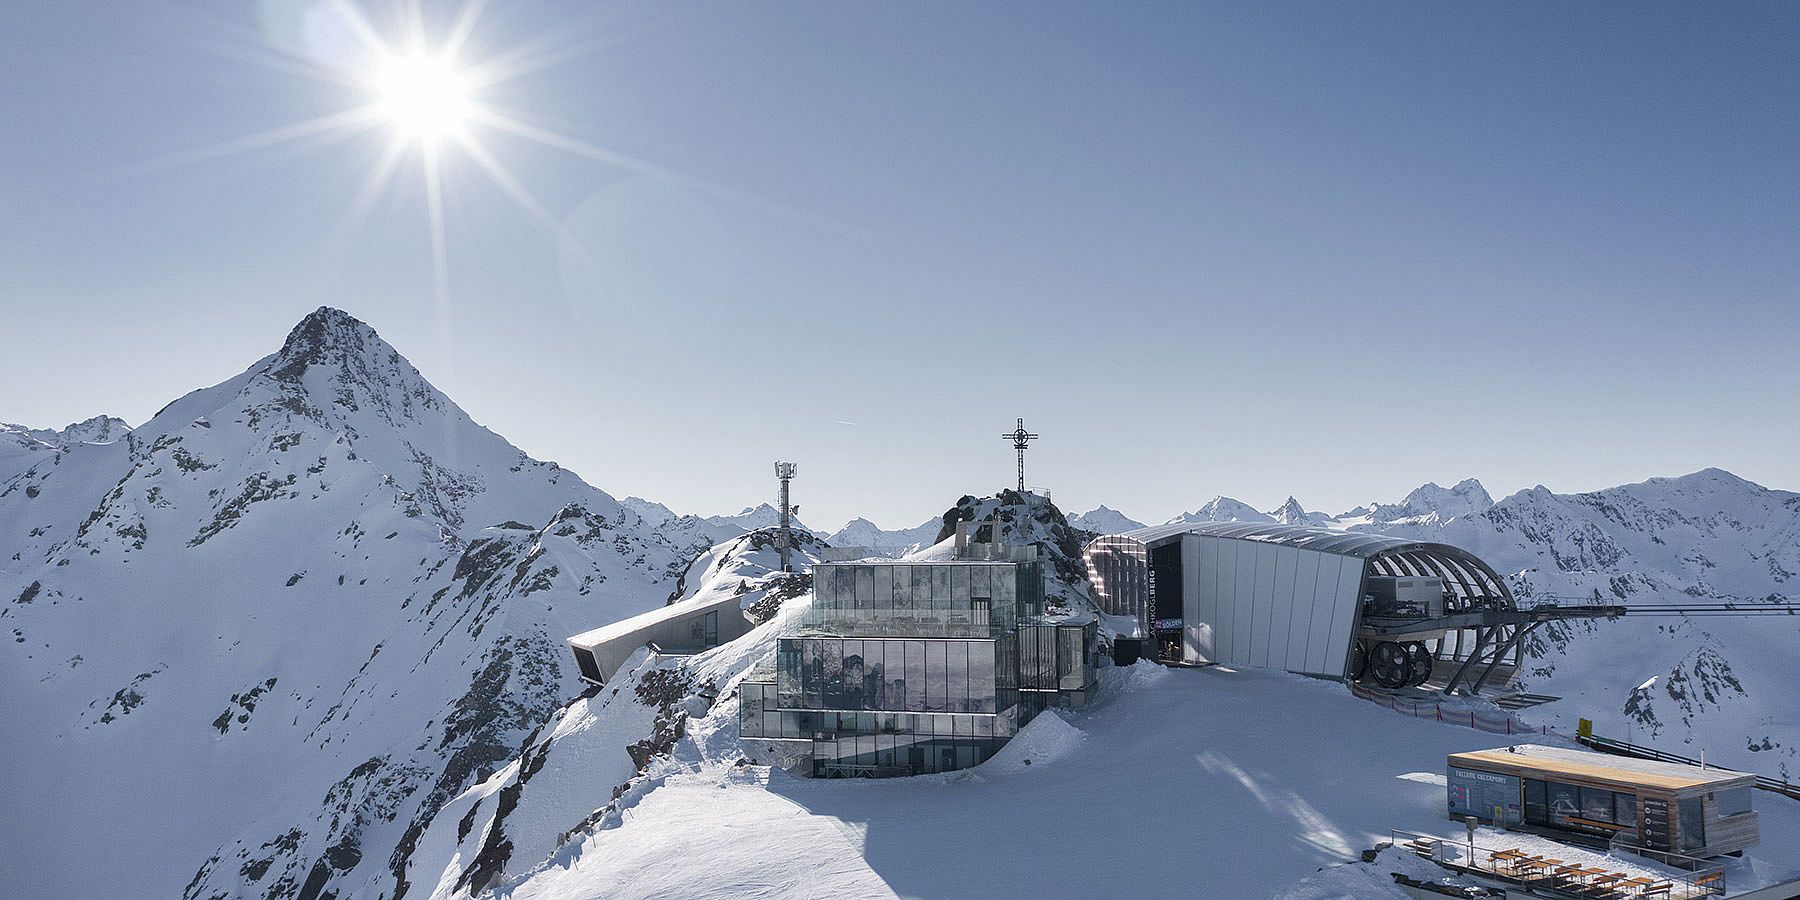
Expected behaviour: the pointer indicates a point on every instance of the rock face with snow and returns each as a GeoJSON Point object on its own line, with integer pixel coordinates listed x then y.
{"type": "Point", "coordinates": [599, 753]}
{"type": "Point", "coordinates": [1102, 520]}
{"type": "Point", "coordinates": [288, 618]}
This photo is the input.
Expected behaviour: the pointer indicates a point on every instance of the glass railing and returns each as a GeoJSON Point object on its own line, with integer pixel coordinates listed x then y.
{"type": "Point", "coordinates": [963, 623]}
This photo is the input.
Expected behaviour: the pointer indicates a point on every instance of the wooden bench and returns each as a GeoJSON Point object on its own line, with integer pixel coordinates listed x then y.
{"type": "Point", "coordinates": [1422, 846]}
{"type": "Point", "coordinates": [1596, 823]}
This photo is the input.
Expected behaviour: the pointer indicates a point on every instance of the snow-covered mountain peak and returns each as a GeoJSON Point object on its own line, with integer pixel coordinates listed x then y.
{"type": "Point", "coordinates": [1104, 520]}
{"type": "Point", "coordinates": [1428, 501]}
{"type": "Point", "coordinates": [1223, 509]}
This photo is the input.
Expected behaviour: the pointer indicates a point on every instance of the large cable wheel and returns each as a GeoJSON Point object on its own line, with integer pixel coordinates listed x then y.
{"type": "Point", "coordinates": [1391, 665]}
{"type": "Point", "coordinates": [1420, 657]}
{"type": "Point", "coordinates": [1359, 661]}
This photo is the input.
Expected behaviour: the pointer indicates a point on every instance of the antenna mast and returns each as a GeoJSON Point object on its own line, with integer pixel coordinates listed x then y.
{"type": "Point", "coordinates": [784, 539]}
{"type": "Point", "coordinates": [1021, 440]}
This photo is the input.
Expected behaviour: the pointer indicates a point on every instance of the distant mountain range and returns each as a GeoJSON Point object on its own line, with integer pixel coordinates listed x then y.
{"type": "Point", "coordinates": [297, 613]}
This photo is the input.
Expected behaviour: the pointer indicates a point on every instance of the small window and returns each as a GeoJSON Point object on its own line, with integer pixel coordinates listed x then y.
{"type": "Point", "coordinates": [1537, 804]}
{"type": "Point", "coordinates": [1692, 823]}
{"type": "Point", "coordinates": [1733, 801]}
{"type": "Point", "coordinates": [1596, 804]}
{"type": "Point", "coordinates": [590, 669]}
{"type": "Point", "coordinates": [1625, 810]}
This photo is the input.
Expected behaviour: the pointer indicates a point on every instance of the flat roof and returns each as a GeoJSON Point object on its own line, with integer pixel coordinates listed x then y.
{"type": "Point", "coordinates": [1306, 537]}
{"type": "Point", "coordinates": [625, 628]}
{"type": "Point", "coordinates": [1587, 764]}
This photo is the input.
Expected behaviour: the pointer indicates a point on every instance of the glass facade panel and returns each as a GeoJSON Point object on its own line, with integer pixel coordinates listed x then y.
{"type": "Point", "coordinates": [981, 677]}
{"type": "Point", "coordinates": [865, 587]}
{"type": "Point", "coordinates": [1596, 804]}
{"type": "Point", "coordinates": [934, 676]}
{"type": "Point", "coordinates": [884, 587]}
{"type": "Point", "coordinates": [1537, 804]}
{"type": "Point", "coordinates": [1733, 801]}
{"type": "Point", "coordinates": [896, 668]}
{"type": "Point", "coordinates": [853, 668]}
{"type": "Point", "coordinates": [1625, 810]}
{"type": "Point", "coordinates": [956, 668]}
{"type": "Point", "coordinates": [1565, 801]}
{"type": "Point", "coordinates": [1693, 824]}
{"type": "Point", "coordinates": [915, 675]}
{"type": "Point", "coordinates": [845, 579]}
{"type": "Point", "coordinates": [959, 587]}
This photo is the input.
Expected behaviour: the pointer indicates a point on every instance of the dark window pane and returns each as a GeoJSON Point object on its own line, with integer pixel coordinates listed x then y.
{"type": "Point", "coordinates": [1565, 801]}
{"type": "Point", "coordinates": [1596, 804]}
{"type": "Point", "coordinates": [1625, 810]}
{"type": "Point", "coordinates": [1734, 801]}
{"type": "Point", "coordinates": [1693, 828]}
{"type": "Point", "coordinates": [1537, 807]}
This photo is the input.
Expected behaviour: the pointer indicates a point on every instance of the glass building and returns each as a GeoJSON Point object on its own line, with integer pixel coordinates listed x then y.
{"type": "Point", "coordinates": [902, 668]}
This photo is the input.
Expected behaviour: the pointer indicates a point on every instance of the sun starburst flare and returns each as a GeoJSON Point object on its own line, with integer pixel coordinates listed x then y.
{"type": "Point", "coordinates": [427, 99]}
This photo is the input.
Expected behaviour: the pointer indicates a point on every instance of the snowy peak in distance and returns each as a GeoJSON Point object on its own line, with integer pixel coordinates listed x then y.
{"type": "Point", "coordinates": [1223, 509]}
{"type": "Point", "coordinates": [860, 532]}
{"type": "Point", "coordinates": [1104, 520]}
{"type": "Point", "coordinates": [21, 446]}
{"type": "Point", "coordinates": [1428, 501]}
{"type": "Point", "coordinates": [1292, 513]}
{"type": "Point", "coordinates": [97, 430]}
{"type": "Point", "coordinates": [654, 513]}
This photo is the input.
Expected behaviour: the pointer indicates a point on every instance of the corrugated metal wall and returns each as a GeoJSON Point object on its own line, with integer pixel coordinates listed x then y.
{"type": "Point", "coordinates": [1254, 604]}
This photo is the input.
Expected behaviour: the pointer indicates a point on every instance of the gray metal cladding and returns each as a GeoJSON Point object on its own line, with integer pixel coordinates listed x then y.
{"type": "Point", "coordinates": [1265, 605]}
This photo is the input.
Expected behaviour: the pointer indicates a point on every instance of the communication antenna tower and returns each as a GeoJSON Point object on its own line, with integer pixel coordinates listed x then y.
{"type": "Point", "coordinates": [784, 539]}
{"type": "Point", "coordinates": [1021, 440]}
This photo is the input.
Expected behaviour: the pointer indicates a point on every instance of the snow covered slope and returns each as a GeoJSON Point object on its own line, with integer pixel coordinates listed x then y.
{"type": "Point", "coordinates": [258, 641]}
{"type": "Point", "coordinates": [1231, 784]}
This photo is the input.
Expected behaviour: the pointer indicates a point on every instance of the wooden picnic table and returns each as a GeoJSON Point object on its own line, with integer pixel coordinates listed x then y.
{"type": "Point", "coordinates": [1650, 887]}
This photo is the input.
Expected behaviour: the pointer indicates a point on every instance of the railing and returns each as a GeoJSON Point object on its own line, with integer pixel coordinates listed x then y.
{"type": "Point", "coordinates": [1483, 720]}
{"type": "Point", "coordinates": [1621, 748]}
{"type": "Point", "coordinates": [1627, 841]}
{"type": "Point", "coordinates": [918, 623]}
{"type": "Point", "coordinates": [1601, 877]}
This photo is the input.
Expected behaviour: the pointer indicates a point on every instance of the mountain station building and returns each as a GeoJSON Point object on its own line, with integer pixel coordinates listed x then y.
{"type": "Point", "coordinates": [902, 667]}
{"type": "Point", "coordinates": [1393, 612]}
{"type": "Point", "coordinates": [1640, 803]}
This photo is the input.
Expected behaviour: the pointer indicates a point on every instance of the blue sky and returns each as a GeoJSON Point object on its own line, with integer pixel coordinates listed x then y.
{"type": "Point", "coordinates": [1326, 249]}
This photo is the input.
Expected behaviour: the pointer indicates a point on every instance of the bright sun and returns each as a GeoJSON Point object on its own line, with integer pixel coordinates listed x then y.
{"type": "Point", "coordinates": [425, 97]}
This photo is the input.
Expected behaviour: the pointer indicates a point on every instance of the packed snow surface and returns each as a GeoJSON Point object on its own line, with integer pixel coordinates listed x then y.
{"type": "Point", "coordinates": [1236, 783]}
